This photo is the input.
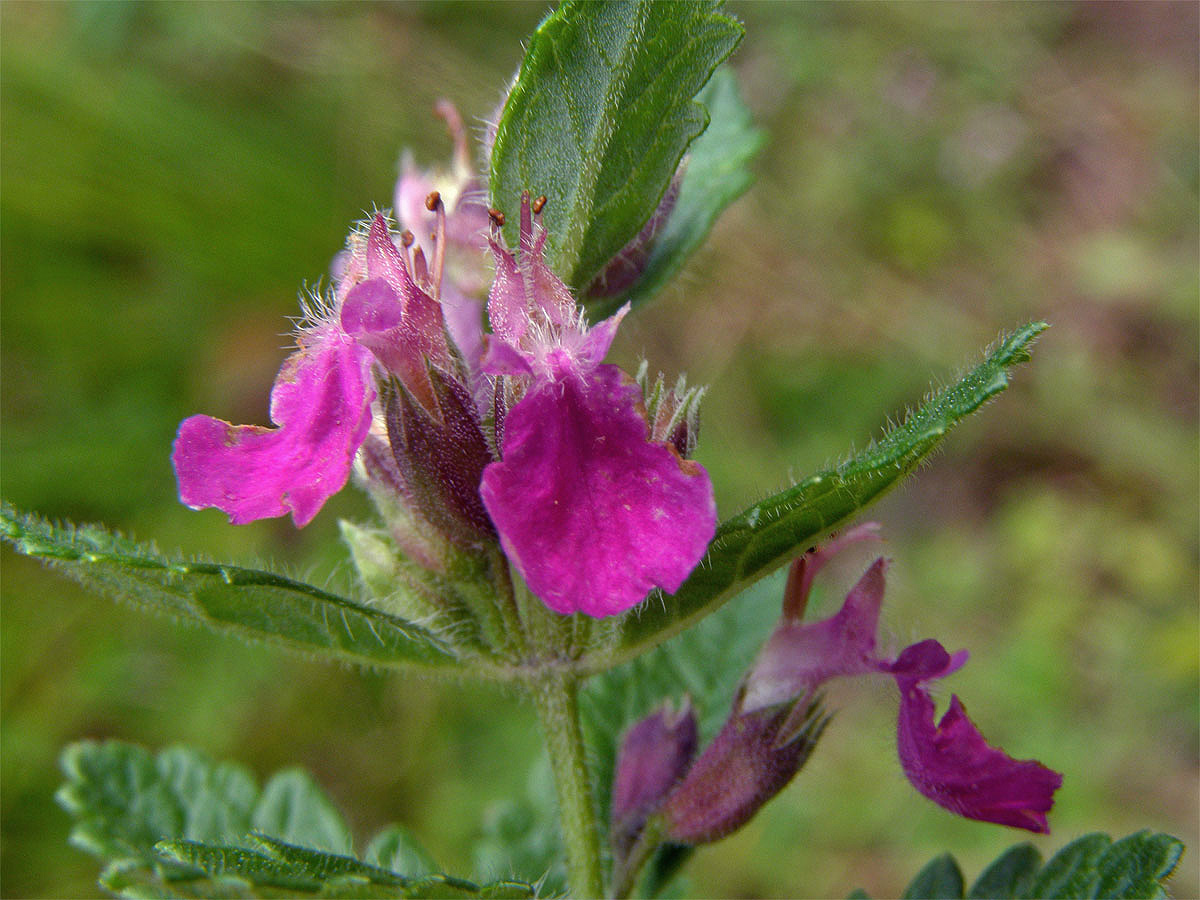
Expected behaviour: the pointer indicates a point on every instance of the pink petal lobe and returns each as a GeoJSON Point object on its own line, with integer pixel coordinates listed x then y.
{"type": "Point", "coordinates": [507, 308]}
{"type": "Point", "coordinates": [599, 338]}
{"type": "Point", "coordinates": [374, 316]}
{"type": "Point", "coordinates": [547, 291]}
{"type": "Point", "coordinates": [593, 514]}
{"type": "Point", "coordinates": [502, 358]}
{"type": "Point", "coordinates": [321, 402]}
{"type": "Point", "coordinates": [422, 314]}
{"type": "Point", "coordinates": [953, 765]}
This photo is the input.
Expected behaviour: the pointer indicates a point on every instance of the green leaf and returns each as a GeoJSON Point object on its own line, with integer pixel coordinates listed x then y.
{"type": "Point", "coordinates": [178, 824]}
{"type": "Point", "coordinates": [600, 114]}
{"type": "Point", "coordinates": [254, 604]}
{"type": "Point", "coordinates": [295, 809]}
{"type": "Point", "coordinates": [1071, 872]}
{"type": "Point", "coordinates": [770, 533]}
{"type": "Point", "coordinates": [941, 879]}
{"type": "Point", "coordinates": [1092, 866]}
{"type": "Point", "coordinates": [396, 848]}
{"type": "Point", "coordinates": [521, 834]}
{"type": "Point", "coordinates": [1137, 866]}
{"type": "Point", "coordinates": [1008, 877]}
{"type": "Point", "coordinates": [234, 864]}
{"type": "Point", "coordinates": [715, 175]}
{"type": "Point", "coordinates": [301, 870]}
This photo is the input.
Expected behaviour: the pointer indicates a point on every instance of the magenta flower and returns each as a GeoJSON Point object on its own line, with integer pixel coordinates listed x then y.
{"type": "Point", "coordinates": [951, 763]}
{"type": "Point", "coordinates": [593, 506]}
{"type": "Point", "coordinates": [778, 717]}
{"type": "Point", "coordinates": [466, 226]}
{"type": "Point", "coordinates": [321, 404]}
{"type": "Point", "coordinates": [591, 510]}
{"type": "Point", "coordinates": [322, 397]}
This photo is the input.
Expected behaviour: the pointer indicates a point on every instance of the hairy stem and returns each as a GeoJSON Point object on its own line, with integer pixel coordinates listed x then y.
{"type": "Point", "coordinates": [556, 697]}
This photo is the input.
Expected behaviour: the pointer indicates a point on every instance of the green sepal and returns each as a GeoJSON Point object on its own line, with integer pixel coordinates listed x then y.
{"type": "Point", "coordinates": [600, 114]}
{"type": "Point", "coordinates": [252, 603]}
{"type": "Point", "coordinates": [768, 534]}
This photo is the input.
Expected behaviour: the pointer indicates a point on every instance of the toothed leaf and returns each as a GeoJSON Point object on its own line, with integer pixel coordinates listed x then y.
{"type": "Point", "coordinates": [176, 824]}
{"type": "Point", "coordinates": [251, 603]}
{"type": "Point", "coordinates": [1091, 866]}
{"type": "Point", "coordinates": [599, 117]}
{"type": "Point", "coordinates": [1009, 876]}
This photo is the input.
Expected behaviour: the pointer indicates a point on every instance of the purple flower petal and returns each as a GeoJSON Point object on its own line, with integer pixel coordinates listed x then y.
{"type": "Point", "coordinates": [466, 207]}
{"type": "Point", "coordinates": [391, 316]}
{"type": "Point", "coordinates": [525, 288]}
{"type": "Point", "coordinates": [591, 512]}
{"type": "Point", "coordinates": [464, 322]}
{"type": "Point", "coordinates": [321, 402]}
{"type": "Point", "coordinates": [952, 765]}
{"type": "Point", "coordinates": [424, 330]}
{"type": "Point", "coordinates": [502, 358]}
{"type": "Point", "coordinates": [798, 657]}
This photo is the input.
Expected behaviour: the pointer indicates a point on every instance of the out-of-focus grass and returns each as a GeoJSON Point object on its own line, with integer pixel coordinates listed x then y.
{"type": "Point", "coordinates": [173, 173]}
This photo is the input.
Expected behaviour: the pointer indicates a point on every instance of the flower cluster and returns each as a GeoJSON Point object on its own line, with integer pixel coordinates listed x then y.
{"type": "Point", "coordinates": [522, 435]}
{"type": "Point", "coordinates": [777, 719]}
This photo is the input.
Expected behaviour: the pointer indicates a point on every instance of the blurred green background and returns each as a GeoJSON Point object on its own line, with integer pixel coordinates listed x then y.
{"type": "Point", "coordinates": [174, 173]}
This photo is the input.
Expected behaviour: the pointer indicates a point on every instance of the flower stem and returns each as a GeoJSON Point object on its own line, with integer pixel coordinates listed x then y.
{"type": "Point", "coordinates": [556, 697]}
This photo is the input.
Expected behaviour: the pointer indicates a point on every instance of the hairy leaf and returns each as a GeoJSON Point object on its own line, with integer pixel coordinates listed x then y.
{"type": "Point", "coordinates": [178, 824]}
{"type": "Point", "coordinates": [600, 114]}
{"type": "Point", "coordinates": [293, 808]}
{"type": "Point", "coordinates": [715, 174]}
{"type": "Point", "coordinates": [1071, 872]}
{"type": "Point", "coordinates": [252, 603]}
{"type": "Point", "coordinates": [770, 533]}
{"type": "Point", "coordinates": [521, 834]}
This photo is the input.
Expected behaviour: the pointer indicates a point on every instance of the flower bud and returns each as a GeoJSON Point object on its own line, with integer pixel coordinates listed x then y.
{"type": "Point", "coordinates": [441, 457]}
{"type": "Point", "coordinates": [751, 760]}
{"type": "Point", "coordinates": [623, 271]}
{"type": "Point", "coordinates": [654, 756]}
{"type": "Point", "coordinates": [379, 563]}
